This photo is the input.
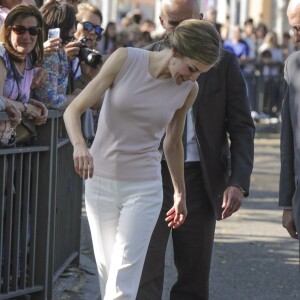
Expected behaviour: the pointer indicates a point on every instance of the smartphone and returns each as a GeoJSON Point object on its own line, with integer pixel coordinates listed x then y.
{"type": "Point", "coordinates": [53, 33]}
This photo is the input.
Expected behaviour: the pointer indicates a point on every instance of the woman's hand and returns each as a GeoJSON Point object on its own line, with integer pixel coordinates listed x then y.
{"type": "Point", "coordinates": [177, 214]}
{"type": "Point", "coordinates": [33, 111]}
{"type": "Point", "coordinates": [52, 45]}
{"type": "Point", "coordinates": [43, 115]}
{"type": "Point", "coordinates": [83, 161]}
{"type": "Point", "coordinates": [40, 77]}
{"type": "Point", "coordinates": [13, 112]}
{"type": "Point", "coordinates": [72, 50]}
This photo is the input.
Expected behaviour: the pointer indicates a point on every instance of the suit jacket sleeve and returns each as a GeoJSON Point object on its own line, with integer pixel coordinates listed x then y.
{"type": "Point", "coordinates": [240, 128]}
{"type": "Point", "coordinates": [287, 173]}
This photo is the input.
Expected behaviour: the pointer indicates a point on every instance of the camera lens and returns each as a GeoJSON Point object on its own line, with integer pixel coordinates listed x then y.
{"type": "Point", "coordinates": [93, 59]}
{"type": "Point", "coordinates": [90, 57]}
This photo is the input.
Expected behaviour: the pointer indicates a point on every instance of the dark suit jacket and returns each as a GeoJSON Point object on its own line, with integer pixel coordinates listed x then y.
{"type": "Point", "coordinates": [222, 115]}
{"type": "Point", "coordinates": [289, 188]}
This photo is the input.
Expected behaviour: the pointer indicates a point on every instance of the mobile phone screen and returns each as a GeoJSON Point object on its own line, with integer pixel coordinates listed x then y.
{"type": "Point", "coordinates": [53, 33]}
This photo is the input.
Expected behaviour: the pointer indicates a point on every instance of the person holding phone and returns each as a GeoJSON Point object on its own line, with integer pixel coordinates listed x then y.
{"type": "Point", "coordinates": [53, 43]}
{"type": "Point", "coordinates": [53, 93]}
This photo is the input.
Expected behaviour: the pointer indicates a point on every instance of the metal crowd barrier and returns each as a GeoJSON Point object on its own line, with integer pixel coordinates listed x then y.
{"type": "Point", "coordinates": [40, 211]}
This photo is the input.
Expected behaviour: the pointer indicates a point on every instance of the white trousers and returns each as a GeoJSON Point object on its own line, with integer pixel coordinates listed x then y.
{"type": "Point", "coordinates": [122, 216]}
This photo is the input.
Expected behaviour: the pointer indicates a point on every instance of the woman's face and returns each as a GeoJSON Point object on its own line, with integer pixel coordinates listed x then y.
{"type": "Point", "coordinates": [184, 69]}
{"type": "Point", "coordinates": [112, 31]}
{"type": "Point", "coordinates": [88, 30]}
{"type": "Point", "coordinates": [24, 42]}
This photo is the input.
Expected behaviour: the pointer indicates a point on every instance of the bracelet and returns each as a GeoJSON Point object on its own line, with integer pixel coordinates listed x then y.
{"type": "Point", "coordinates": [25, 109]}
{"type": "Point", "coordinates": [244, 192]}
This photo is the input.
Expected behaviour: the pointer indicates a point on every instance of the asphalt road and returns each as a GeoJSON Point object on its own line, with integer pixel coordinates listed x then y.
{"type": "Point", "coordinates": [253, 259]}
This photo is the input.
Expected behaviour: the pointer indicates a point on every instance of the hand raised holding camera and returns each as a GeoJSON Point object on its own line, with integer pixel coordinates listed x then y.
{"type": "Point", "coordinates": [72, 49]}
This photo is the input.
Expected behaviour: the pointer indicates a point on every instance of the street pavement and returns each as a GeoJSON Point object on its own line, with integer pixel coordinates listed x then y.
{"type": "Point", "coordinates": [253, 258]}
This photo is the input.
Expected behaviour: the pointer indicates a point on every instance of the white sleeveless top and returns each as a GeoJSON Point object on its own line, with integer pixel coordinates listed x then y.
{"type": "Point", "coordinates": [132, 121]}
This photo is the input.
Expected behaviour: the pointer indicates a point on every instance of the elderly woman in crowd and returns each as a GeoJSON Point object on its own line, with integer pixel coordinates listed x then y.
{"type": "Point", "coordinates": [88, 31]}
{"type": "Point", "coordinates": [21, 51]}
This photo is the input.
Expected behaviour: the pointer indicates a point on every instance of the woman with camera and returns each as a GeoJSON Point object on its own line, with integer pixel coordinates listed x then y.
{"type": "Point", "coordinates": [87, 62]}
{"type": "Point", "coordinates": [88, 32]}
{"type": "Point", "coordinates": [59, 18]}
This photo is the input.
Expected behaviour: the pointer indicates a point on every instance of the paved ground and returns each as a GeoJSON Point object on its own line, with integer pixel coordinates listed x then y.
{"type": "Point", "coordinates": [254, 259]}
{"type": "Point", "coordinates": [253, 256]}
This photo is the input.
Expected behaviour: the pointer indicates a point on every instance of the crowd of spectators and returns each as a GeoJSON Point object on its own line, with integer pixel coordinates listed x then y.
{"type": "Point", "coordinates": [68, 70]}
{"type": "Point", "coordinates": [261, 58]}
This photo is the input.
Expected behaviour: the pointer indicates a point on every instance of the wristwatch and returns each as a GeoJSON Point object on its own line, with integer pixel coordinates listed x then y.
{"type": "Point", "coordinates": [244, 192]}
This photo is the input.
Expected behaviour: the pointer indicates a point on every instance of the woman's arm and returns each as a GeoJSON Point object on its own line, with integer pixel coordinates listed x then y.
{"type": "Point", "coordinates": [12, 109]}
{"type": "Point", "coordinates": [53, 92]}
{"type": "Point", "coordinates": [30, 109]}
{"type": "Point", "coordinates": [90, 95]}
{"type": "Point", "coordinates": [173, 150]}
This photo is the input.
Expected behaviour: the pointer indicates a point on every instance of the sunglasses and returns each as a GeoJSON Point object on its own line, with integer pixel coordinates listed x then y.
{"type": "Point", "coordinates": [88, 26]}
{"type": "Point", "coordinates": [20, 30]}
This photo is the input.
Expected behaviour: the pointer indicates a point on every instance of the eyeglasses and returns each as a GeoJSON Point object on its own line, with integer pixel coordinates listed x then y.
{"type": "Point", "coordinates": [20, 30]}
{"type": "Point", "coordinates": [88, 26]}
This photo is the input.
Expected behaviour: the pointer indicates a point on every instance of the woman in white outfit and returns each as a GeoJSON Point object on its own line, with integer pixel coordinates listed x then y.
{"type": "Point", "coordinates": [147, 94]}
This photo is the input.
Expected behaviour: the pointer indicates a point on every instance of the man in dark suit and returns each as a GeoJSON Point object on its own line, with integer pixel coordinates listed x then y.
{"type": "Point", "coordinates": [217, 174]}
{"type": "Point", "coordinates": [289, 188]}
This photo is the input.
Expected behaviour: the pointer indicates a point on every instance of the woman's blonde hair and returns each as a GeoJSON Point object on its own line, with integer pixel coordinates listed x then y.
{"type": "Point", "coordinates": [196, 39]}
{"type": "Point", "coordinates": [15, 16]}
{"type": "Point", "coordinates": [85, 6]}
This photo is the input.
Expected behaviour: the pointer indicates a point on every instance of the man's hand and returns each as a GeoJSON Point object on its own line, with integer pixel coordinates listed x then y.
{"type": "Point", "coordinates": [288, 223]}
{"type": "Point", "coordinates": [232, 201]}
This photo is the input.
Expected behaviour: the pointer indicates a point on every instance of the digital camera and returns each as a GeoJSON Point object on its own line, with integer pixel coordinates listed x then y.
{"type": "Point", "coordinates": [90, 57]}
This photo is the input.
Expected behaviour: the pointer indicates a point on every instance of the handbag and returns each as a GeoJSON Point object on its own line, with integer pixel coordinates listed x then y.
{"type": "Point", "coordinates": [26, 132]}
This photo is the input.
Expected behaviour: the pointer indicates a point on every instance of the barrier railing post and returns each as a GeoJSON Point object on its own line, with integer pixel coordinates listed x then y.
{"type": "Point", "coordinates": [47, 136]}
